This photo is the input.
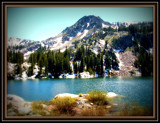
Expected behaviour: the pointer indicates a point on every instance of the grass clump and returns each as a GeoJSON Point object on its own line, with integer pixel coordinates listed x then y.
{"type": "Point", "coordinates": [64, 104]}
{"type": "Point", "coordinates": [80, 94]}
{"type": "Point", "coordinates": [38, 108]}
{"type": "Point", "coordinates": [97, 97]}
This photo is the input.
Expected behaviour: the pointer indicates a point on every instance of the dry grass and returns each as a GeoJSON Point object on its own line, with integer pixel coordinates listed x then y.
{"type": "Point", "coordinates": [64, 104]}
{"type": "Point", "coordinates": [94, 111]}
{"type": "Point", "coordinates": [38, 108]}
{"type": "Point", "coordinates": [97, 97]}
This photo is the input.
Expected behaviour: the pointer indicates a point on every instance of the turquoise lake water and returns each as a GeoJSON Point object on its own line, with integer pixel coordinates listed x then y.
{"type": "Point", "coordinates": [134, 89]}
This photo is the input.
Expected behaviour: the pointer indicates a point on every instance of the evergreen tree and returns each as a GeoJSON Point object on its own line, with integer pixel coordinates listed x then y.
{"type": "Point", "coordinates": [59, 64]}
{"type": "Point", "coordinates": [75, 67]}
{"type": "Point", "coordinates": [98, 66]}
{"type": "Point", "coordinates": [40, 64]}
{"type": "Point", "coordinates": [145, 62]}
{"type": "Point", "coordinates": [46, 65]}
{"type": "Point", "coordinates": [107, 60]}
{"type": "Point", "coordinates": [66, 67]}
{"type": "Point", "coordinates": [19, 69]}
{"type": "Point", "coordinates": [82, 65]}
{"type": "Point", "coordinates": [30, 70]}
{"type": "Point", "coordinates": [101, 64]}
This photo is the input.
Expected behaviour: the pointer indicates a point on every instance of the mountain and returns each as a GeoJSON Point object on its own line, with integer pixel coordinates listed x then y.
{"type": "Point", "coordinates": [92, 43]}
{"type": "Point", "coordinates": [89, 30]}
{"type": "Point", "coordinates": [82, 26]}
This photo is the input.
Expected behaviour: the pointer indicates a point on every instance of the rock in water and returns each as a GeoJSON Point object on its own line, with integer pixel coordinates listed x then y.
{"type": "Point", "coordinates": [67, 95]}
{"type": "Point", "coordinates": [112, 94]}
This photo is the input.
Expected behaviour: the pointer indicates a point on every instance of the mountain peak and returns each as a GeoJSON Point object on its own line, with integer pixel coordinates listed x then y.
{"type": "Point", "coordinates": [85, 23]}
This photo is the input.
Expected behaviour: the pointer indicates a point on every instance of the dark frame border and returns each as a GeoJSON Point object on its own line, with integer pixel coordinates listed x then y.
{"type": "Point", "coordinates": [80, 4]}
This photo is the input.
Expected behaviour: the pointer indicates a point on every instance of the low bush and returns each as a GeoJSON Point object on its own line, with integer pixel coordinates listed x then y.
{"type": "Point", "coordinates": [38, 108]}
{"type": "Point", "coordinates": [97, 97]}
{"type": "Point", "coordinates": [64, 104]}
{"type": "Point", "coordinates": [80, 94]}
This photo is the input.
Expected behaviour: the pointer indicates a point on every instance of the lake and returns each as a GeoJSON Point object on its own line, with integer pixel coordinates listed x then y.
{"type": "Point", "coordinates": [134, 89]}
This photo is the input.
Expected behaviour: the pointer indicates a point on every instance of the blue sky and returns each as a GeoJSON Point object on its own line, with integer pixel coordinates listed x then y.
{"type": "Point", "coordinates": [40, 23]}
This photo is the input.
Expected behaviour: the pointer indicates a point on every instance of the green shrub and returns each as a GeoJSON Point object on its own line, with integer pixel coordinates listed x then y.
{"type": "Point", "coordinates": [64, 104]}
{"type": "Point", "coordinates": [97, 97]}
{"type": "Point", "coordinates": [80, 94]}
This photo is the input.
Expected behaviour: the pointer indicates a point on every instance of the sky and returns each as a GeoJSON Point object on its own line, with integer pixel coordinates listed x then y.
{"type": "Point", "coordinates": [40, 23]}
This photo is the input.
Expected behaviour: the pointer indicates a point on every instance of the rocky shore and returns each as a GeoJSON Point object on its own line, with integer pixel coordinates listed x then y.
{"type": "Point", "coordinates": [16, 106]}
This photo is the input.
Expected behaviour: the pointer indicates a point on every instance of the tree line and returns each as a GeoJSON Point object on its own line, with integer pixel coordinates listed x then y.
{"type": "Point", "coordinates": [17, 58]}
{"type": "Point", "coordinates": [83, 59]}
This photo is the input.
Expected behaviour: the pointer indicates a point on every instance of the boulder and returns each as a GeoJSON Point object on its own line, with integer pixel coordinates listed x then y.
{"type": "Point", "coordinates": [15, 100]}
{"type": "Point", "coordinates": [112, 95]}
{"type": "Point", "coordinates": [85, 75]}
{"type": "Point", "coordinates": [24, 110]}
{"type": "Point", "coordinates": [18, 105]}
{"type": "Point", "coordinates": [67, 95]}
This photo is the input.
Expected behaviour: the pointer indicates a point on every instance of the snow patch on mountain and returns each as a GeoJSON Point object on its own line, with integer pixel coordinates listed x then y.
{"type": "Point", "coordinates": [58, 39]}
{"type": "Point", "coordinates": [88, 24]}
{"type": "Point", "coordinates": [58, 45]}
{"type": "Point", "coordinates": [84, 33]}
{"type": "Point", "coordinates": [62, 50]}
{"type": "Point", "coordinates": [102, 42]}
{"type": "Point", "coordinates": [79, 33]}
{"type": "Point", "coordinates": [70, 38]}
{"type": "Point", "coordinates": [26, 55]}
{"type": "Point", "coordinates": [42, 45]}
{"type": "Point", "coordinates": [94, 51]}
{"type": "Point", "coordinates": [104, 25]}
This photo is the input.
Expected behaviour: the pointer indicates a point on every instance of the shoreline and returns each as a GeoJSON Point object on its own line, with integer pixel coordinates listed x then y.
{"type": "Point", "coordinates": [18, 106]}
{"type": "Point", "coordinates": [79, 78]}
{"type": "Point", "coordinates": [67, 104]}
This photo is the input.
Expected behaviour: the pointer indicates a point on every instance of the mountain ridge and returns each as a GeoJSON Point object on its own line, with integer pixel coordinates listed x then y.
{"type": "Point", "coordinates": [84, 29]}
{"type": "Point", "coordinates": [81, 19]}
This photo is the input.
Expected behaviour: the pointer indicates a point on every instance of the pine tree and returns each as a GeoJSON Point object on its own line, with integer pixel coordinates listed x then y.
{"type": "Point", "coordinates": [98, 66]}
{"type": "Point", "coordinates": [145, 62]}
{"type": "Point", "coordinates": [75, 67]}
{"type": "Point", "coordinates": [19, 69]}
{"type": "Point", "coordinates": [30, 70]}
{"type": "Point", "coordinates": [82, 65]}
{"type": "Point", "coordinates": [107, 60]}
{"type": "Point", "coordinates": [46, 65]}
{"type": "Point", "coordinates": [101, 64]}
{"type": "Point", "coordinates": [40, 64]}
{"type": "Point", "coordinates": [59, 64]}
